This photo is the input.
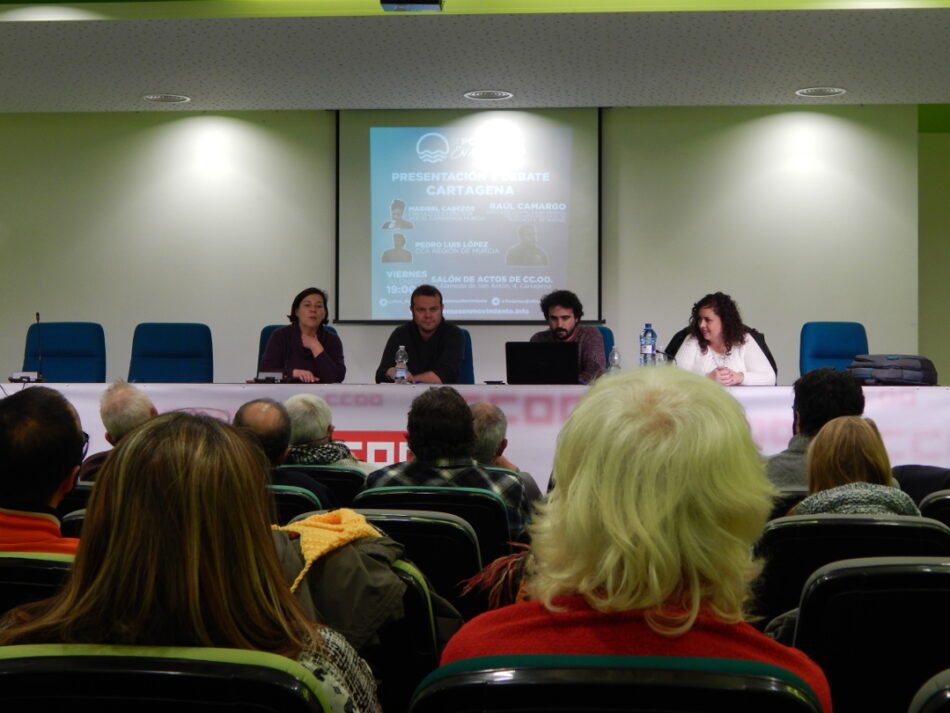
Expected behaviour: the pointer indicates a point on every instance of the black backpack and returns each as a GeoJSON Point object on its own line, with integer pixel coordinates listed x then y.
{"type": "Point", "coordinates": [893, 370]}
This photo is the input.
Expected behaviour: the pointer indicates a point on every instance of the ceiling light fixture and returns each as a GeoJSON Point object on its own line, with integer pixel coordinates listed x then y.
{"type": "Point", "coordinates": [820, 92]}
{"type": "Point", "coordinates": [167, 98]}
{"type": "Point", "coordinates": [412, 5]}
{"type": "Point", "coordinates": [488, 95]}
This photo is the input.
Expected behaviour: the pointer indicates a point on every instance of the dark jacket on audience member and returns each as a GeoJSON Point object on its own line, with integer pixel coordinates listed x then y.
{"type": "Point", "coordinates": [354, 590]}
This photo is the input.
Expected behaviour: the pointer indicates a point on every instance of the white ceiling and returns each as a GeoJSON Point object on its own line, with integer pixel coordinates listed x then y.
{"type": "Point", "coordinates": [406, 61]}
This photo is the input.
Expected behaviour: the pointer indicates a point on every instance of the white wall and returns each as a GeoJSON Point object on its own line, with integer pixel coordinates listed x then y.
{"type": "Point", "coordinates": [126, 218]}
{"type": "Point", "coordinates": [800, 215]}
{"type": "Point", "coordinates": [934, 171]}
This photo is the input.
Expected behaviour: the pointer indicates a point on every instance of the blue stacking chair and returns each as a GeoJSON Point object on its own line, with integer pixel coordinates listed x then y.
{"type": "Point", "coordinates": [608, 334]}
{"type": "Point", "coordinates": [467, 368]}
{"type": "Point", "coordinates": [265, 335]}
{"type": "Point", "coordinates": [172, 353]}
{"type": "Point", "coordinates": [66, 351]}
{"type": "Point", "coordinates": [833, 344]}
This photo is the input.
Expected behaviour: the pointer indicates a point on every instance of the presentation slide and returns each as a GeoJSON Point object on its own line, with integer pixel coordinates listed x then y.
{"type": "Point", "coordinates": [494, 208]}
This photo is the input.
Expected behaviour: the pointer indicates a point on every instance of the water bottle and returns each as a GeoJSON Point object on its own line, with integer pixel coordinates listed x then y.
{"type": "Point", "coordinates": [647, 346]}
{"type": "Point", "coordinates": [614, 361]}
{"type": "Point", "coordinates": [402, 359]}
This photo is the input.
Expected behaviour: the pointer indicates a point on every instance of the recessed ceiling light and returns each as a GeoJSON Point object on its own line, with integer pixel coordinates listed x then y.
{"type": "Point", "coordinates": [167, 98]}
{"type": "Point", "coordinates": [488, 95]}
{"type": "Point", "coordinates": [412, 6]}
{"type": "Point", "coordinates": [820, 92]}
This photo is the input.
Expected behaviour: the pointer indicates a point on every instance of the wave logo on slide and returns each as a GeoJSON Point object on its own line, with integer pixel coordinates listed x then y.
{"type": "Point", "coordinates": [432, 148]}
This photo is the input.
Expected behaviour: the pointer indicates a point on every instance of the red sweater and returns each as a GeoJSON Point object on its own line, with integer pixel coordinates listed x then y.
{"type": "Point", "coordinates": [22, 531]}
{"type": "Point", "coordinates": [529, 628]}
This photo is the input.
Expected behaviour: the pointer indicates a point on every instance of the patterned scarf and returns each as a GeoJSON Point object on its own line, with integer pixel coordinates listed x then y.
{"type": "Point", "coordinates": [318, 455]}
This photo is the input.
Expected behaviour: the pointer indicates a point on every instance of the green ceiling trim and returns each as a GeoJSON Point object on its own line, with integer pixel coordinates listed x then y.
{"type": "Point", "coordinates": [933, 119]}
{"type": "Point", "coordinates": [145, 9]}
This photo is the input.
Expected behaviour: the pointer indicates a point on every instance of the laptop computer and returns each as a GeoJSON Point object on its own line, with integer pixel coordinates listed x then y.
{"type": "Point", "coordinates": [541, 362]}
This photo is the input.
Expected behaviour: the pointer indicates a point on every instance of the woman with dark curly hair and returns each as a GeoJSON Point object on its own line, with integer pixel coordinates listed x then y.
{"type": "Point", "coordinates": [720, 347]}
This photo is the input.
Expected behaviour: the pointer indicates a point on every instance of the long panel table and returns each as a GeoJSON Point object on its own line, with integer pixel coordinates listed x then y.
{"type": "Point", "coordinates": [915, 421]}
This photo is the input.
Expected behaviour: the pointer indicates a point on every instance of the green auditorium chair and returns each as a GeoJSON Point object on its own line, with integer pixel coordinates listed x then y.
{"type": "Point", "coordinates": [612, 684]}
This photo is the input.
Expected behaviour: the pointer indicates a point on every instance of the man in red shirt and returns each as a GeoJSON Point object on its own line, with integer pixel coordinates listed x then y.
{"type": "Point", "coordinates": [41, 447]}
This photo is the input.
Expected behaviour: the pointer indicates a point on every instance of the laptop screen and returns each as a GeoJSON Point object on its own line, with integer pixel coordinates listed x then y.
{"type": "Point", "coordinates": [541, 362]}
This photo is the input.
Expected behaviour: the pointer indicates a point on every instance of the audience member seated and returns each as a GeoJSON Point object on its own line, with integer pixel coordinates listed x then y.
{"type": "Point", "coordinates": [268, 424]}
{"type": "Point", "coordinates": [305, 350]}
{"type": "Point", "coordinates": [491, 428]}
{"type": "Point", "coordinates": [720, 347]}
{"type": "Point", "coordinates": [820, 395]}
{"type": "Point", "coordinates": [849, 472]}
{"type": "Point", "coordinates": [41, 447]}
{"type": "Point", "coordinates": [645, 546]}
{"type": "Point", "coordinates": [442, 440]}
{"type": "Point", "coordinates": [122, 408]}
{"type": "Point", "coordinates": [311, 435]}
{"type": "Point", "coordinates": [338, 547]}
{"type": "Point", "coordinates": [562, 311]}
{"type": "Point", "coordinates": [177, 551]}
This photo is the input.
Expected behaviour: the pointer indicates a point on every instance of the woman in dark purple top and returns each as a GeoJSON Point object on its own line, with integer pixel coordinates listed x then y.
{"type": "Point", "coordinates": [306, 350]}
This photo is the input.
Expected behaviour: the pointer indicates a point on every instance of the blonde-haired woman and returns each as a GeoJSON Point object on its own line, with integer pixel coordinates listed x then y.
{"type": "Point", "coordinates": [645, 544]}
{"type": "Point", "coordinates": [849, 472]}
{"type": "Point", "coordinates": [176, 550]}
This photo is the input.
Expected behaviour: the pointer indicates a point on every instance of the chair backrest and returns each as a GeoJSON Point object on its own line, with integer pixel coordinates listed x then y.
{"type": "Point", "coordinates": [345, 483]}
{"type": "Point", "coordinates": [933, 696]}
{"type": "Point", "coordinates": [262, 345]}
{"type": "Point", "coordinates": [484, 510]}
{"type": "Point", "coordinates": [71, 523]}
{"type": "Point", "coordinates": [919, 481]}
{"type": "Point", "coordinates": [66, 351]}
{"type": "Point", "coordinates": [608, 335]}
{"type": "Point", "coordinates": [170, 352]}
{"type": "Point", "coordinates": [794, 547]}
{"type": "Point", "coordinates": [443, 546]}
{"type": "Point", "coordinates": [467, 367]}
{"type": "Point", "coordinates": [30, 576]}
{"type": "Point", "coordinates": [151, 678]}
{"type": "Point", "coordinates": [609, 684]}
{"type": "Point", "coordinates": [833, 344]}
{"type": "Point", "coordinates": [75, 499]}
{"type": "Point", "coordinates": [265, 335]}
{"type": "Point", "coordinates": [759, 338]}
{"type": "Point", "coordinates": [292, 501]}
{"type": "Point", "coordinates": [786, 499]}
{"type": "Point", "coordinates": [863, 618]}
{"type": "Point", "coordinates": [677, 341]}
{"type": "Point", "coordinates": [937, 506]}
{"type": "Point", "coordinates": [408, 650]}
